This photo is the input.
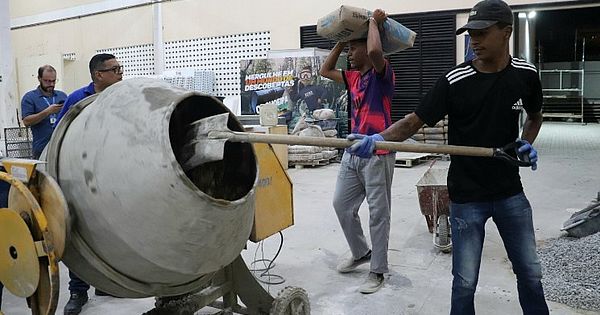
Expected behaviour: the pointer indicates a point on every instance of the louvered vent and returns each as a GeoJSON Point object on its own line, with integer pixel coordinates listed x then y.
{"type": "Point", "coordinates": [416, 68]}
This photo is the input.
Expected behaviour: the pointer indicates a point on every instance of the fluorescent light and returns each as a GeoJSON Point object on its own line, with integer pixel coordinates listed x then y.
{"type": "Point", "coordinates": [522, 15]}
{"type": "Point", "coordinates": [531, 14]}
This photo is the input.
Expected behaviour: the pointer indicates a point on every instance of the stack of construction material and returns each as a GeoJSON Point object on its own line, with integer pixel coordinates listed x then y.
{"type": "Point", "coordinates": [325, 118]}
{"type": "Point", "coordinates": [306, 155]}
{"type": "Point", "coordinates": [437, 134]}
{"type": "Point", "coordinates": [323, 124]}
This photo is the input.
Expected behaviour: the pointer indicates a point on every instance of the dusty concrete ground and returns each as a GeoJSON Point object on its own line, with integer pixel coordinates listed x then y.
{"type": "Point", "coordinates": [419, 281]}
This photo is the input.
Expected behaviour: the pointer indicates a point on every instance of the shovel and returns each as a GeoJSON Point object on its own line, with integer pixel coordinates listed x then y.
{"type": "Point", "coordinates": [208, 136]}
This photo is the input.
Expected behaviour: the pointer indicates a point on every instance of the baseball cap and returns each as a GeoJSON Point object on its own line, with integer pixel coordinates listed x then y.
{"type": "Point", "coordinates": [487, 13]}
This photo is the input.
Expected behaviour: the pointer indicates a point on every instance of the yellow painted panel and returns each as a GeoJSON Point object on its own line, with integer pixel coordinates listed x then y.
{"type": "Point", "coordinates": [274, 204]}
{"type": "Point", "coordinates": [281, 150]}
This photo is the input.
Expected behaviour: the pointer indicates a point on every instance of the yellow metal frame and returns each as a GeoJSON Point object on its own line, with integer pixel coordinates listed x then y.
{"type": "Point", "coordinates": [45, 298]}
{"type": "Point", "coordinates": [21, 169]}
{"type": "Point", "coordinates": [274, 207]}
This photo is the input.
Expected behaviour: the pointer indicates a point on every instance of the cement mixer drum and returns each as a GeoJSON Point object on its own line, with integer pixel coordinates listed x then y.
{"type": "Point", "coordinates": [140, 225]}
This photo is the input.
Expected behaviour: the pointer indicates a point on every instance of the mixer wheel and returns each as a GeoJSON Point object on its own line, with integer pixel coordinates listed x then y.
{"type": "Point", "coordinates": [291, 301]}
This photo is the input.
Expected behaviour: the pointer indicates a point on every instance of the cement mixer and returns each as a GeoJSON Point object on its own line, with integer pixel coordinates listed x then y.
{"type": "Point", "coordinates": [115, 205]}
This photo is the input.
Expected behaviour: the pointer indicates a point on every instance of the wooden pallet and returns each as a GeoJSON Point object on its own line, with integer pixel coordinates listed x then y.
{"type": "Point", "coordinates": [406, 159]}
{"type": "Point", "coordinates": [311, 163]}
{"type": "Point", "coordinates": [438, 156]}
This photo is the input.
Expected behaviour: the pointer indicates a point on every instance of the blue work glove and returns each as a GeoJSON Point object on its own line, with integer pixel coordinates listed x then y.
{"type": "Point", "coordinates": [365, 147]}
{"type": "Point", "coordinates": [526, 149]}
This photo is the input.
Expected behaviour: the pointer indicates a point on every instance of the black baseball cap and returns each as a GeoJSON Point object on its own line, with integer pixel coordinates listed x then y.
{"type": "Point", "coordinates": [487, 13]}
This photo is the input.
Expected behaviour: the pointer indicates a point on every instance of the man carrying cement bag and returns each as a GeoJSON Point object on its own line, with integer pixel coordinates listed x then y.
{"type": "Point", "coordinates": [348, 23]}
{"type": "Point", "coordinates": [483, 99]}
{"type": "Point", "coordinates": [370, 85]}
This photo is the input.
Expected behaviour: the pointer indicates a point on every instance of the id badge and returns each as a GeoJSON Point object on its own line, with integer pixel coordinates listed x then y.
{"type": "Point", "coordinates": [53, 120]}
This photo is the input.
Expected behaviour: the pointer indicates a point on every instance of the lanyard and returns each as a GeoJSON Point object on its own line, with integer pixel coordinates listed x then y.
{"type": "Point", "coordinates": [52, 116]}
{"type": "Point", "coordinates": [47, 102]}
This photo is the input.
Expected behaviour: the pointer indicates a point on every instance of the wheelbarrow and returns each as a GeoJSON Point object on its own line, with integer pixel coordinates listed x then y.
{"type": "Point", "coordinates": [435, 206]}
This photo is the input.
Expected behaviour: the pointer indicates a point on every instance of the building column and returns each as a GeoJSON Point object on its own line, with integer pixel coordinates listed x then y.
{"type": "Point", "coordinates": [8, 80]}
{"type": "Point", "coordinates": [159, 44]}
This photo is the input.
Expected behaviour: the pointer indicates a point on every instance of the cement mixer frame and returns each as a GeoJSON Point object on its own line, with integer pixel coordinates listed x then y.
{"type": "Point", "coordinates": [38, 206]}
{"type": "Point", "coordinates": [34, 239]}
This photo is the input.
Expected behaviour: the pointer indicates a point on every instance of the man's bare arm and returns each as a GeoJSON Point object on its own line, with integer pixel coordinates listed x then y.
{"type": "Point", "coordinates": [403, 128]}
{"type": "Point", "coordinates": [374, 49]}
{"type": "Point", "coordinates": [34, 119]}
{"type": "Point", "coordinates": [532, 126]}
{"type": "Point", "coordinates": [328, 69]}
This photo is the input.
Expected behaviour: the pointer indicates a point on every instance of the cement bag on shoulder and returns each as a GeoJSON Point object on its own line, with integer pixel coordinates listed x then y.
{"type": "Point", "coordinates": [344, 24]}
{"type": "Point", "coordinates": [349, 23]}
{"type": "Point", "coordinates": [396, 37]}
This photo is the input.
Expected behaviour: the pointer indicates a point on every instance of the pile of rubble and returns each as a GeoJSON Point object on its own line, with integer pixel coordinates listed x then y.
{"type": "Point", "coordinates": [571, 271]}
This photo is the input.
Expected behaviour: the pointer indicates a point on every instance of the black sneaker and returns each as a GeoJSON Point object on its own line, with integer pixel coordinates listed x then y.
{"type": "Point", "coordinates": [75, 303]}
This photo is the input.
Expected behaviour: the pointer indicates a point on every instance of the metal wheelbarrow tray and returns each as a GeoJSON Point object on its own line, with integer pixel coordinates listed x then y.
{"type": "Point", "coordinates": [435, 206]}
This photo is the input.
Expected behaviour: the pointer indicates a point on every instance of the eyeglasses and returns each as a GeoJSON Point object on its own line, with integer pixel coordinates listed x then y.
{"type": "Point", "coordinates": [115, 69]}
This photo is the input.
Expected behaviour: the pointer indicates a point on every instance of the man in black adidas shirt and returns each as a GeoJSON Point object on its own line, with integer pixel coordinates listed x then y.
{"type": "Point", "coordinates": [483, 99]}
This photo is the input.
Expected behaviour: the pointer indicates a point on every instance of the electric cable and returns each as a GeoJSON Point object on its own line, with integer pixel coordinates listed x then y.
{"type": "Point", "coordinates": [265, 272]}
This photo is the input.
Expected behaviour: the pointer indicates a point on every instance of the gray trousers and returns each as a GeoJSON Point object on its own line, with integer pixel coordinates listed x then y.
{"type": "Point", "coordinates": [371, 178]}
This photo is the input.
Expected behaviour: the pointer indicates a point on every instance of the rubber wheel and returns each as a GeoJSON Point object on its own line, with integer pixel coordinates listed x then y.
{"type": "Point", "coordinates": [443, 230]}
{"type": "Point", "coordinates": [291, 301]}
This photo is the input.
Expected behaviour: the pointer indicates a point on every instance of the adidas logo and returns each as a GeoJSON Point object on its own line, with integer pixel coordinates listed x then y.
{"type": "Point", "coordinates": [518, 105]}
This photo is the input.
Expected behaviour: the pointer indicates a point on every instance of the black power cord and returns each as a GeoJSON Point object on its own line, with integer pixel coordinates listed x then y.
{"type": "Point", "coordinates": [265, 276]}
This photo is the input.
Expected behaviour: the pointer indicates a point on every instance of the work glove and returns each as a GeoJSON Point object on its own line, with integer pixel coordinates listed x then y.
{"type": "Point", "coordinates": [525, 151]}
{"type": "Point", "coordinates": [363, 149]}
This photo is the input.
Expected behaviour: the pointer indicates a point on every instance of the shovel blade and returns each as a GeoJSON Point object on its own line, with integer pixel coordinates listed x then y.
{"type": "Point", "coordinates": [199, 148]}
{"type": "Point", "coordinates": [202, 151]}
{"type": "Point", "coordinates": [200, 128]}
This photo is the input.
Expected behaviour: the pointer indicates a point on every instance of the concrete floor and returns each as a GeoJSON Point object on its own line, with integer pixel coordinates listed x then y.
{"type": "Point", "coordinates": [419, 281]}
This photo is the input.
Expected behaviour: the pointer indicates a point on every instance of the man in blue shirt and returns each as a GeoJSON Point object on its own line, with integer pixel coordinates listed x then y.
{"type": "Point", "coordinates": [40, 107]}
{"type": "Point", "coordinates": [105, 71]}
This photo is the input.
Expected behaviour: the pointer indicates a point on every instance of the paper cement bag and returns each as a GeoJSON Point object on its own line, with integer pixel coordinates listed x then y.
{"type": "Point", "coordinates": [349, 23]}
{"type": "Point", "coordinates": [344, 24]}
{"type": "Point", "coordinates": [396, 37]}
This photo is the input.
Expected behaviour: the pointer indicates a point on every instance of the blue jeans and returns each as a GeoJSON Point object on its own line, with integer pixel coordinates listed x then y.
{"type": "Point", "coordinates": [76, 284]}
{"type": "Point", "coordinates": [512, 216]}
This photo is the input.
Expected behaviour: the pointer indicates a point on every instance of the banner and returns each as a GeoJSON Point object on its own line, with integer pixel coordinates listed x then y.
{"type": "Point", "coordinates": [293, 84]}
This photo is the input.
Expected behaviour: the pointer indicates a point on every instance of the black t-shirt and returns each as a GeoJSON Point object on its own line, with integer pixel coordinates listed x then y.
{"type": "Point", "coordinates": [483, 111]}
{"type": "Point", "coordinates": [311, 94]}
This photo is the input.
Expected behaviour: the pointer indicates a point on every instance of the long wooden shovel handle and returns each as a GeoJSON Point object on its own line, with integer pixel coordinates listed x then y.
{"type": "Point", "coordinates": [248, 137]}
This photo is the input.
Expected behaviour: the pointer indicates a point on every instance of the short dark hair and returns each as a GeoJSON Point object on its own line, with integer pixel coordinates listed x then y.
{"type": "Point", "coordinates": [97, 61]}
{"type": "Point", "coordinates": [45, 68]}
